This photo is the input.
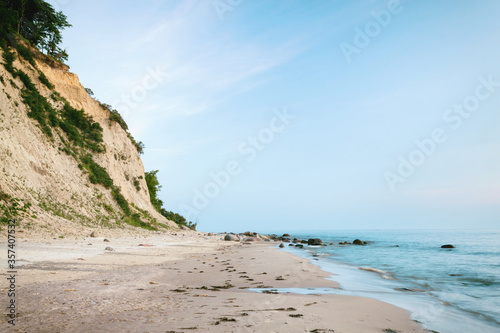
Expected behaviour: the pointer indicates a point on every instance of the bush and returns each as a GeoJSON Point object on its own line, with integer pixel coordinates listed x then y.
{"type": "Point", "coordinates": [120, 200]}
{"type": "Point", "coordinates": [38, 109]}
{"type": "Point", "coordinates": [45, 81]}
{"type": "Point", "coordinates": [137, 185]}
{"type": "Point", "coordinates": [26, 54]}
{"type": "Point", "coordinates": [8, 57]}
{"type": "Point", "coordinates": [135, 220]}
{"type": "Point", "coordinates": [115, 116]}
{"type": "Point", "coordinates": [97, 174]}
{"type": "Point", "coordinates": [81, 129]}
{"type": "Point", "coordinates": [153, 187]}
{"type": "Point", "coordinates": [25, 79]}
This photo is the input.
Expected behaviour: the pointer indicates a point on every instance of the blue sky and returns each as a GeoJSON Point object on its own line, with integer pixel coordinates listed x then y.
{"type": "Point", "coordinates": [296, 115]}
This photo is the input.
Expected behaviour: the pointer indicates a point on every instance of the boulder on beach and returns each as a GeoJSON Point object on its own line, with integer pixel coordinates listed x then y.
{"type": "Point", "coordinates": [231, 238]}
{"type": "Point", "coordinates": [447, 246]}
{"type": "Point", "coordinates": [300, 246]}
{"type": "Point", "coordinates": [358, 242]}
{"type": "Point", "coordinates": [282, 245]}
{"type": "Point", "coordinates": [249, 239]}
{"type": "Point", "coordinates": [314, 241]}
{"type": "Point", "coordinates": [93, 234]}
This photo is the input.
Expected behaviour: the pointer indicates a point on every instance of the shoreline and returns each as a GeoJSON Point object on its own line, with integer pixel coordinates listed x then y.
{"type": "Point", "coordinates": [184, 282]}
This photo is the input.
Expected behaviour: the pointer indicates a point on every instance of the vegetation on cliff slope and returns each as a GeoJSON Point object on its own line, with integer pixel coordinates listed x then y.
{"type": "Point", "coordinates": [76, 132]}
{"type": "Point", "coordinates": [154, 187]}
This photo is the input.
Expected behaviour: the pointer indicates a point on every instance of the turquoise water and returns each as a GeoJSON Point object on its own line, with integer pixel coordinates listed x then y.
{"type": "Point", "coordinates": [447, 290]}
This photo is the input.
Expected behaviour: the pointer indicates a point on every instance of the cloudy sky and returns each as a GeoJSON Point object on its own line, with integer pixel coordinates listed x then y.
{"type": "Point", "coordinates": [273, 115]}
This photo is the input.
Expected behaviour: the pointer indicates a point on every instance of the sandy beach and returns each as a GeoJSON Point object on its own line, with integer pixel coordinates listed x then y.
{"type": "Point", "coordinates": [181, 282]}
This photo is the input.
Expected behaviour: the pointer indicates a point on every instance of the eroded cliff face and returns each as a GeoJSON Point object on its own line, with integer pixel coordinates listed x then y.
{"type": "Point", "coordinates": [53, 190]}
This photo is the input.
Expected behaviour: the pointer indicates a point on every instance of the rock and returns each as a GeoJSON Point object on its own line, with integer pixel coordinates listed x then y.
{"type": "Point", "coordinates": [281, 245]}
{"type": "Point", "coordinates": [314, 241]}
{"type": "Point", "coordinates": [231, 237]}
{"type": "Point", "coordinates": [303, 241]}
{"type": "Point", "coordinates": [109, 249]}
{"type": "Point", "coordinates": [300, 246]}
{"type": "Point", "coordinates": [358, 242]}
{"type": "Point", "coordinates": [93, 234]}
{"type": "Point", "coordinates": [447, 246]}
{"type": "Point", "coordinates": [344, 243]}
{"type": "Point", "coordinates": [106, 240]}
{"type": "Point", "coordinates": [249, 239]}
{"type": "Point", "coordinates": [210, 234]}
{"type": "Point", "coordinates": [291, 244]}
{"type": "Point", "coordinates": [295, 240]}
{"type": "Point", "coordinates": [286, 235]}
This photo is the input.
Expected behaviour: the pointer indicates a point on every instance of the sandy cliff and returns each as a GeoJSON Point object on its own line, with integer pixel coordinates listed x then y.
{"type": "Point", "coordinates": [56, 191]}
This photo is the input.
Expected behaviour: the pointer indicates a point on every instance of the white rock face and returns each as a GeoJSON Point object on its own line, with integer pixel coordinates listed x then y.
{"type": "Point", "coordinates": [33, 168]}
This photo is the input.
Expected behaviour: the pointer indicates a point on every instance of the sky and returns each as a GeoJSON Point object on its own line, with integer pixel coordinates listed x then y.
{"type": "Point", "coordinates": [278, 116]}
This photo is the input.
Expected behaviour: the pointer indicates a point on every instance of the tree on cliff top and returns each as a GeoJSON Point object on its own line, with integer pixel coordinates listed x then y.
{"type": "Point", "coordinates": [36, 21]}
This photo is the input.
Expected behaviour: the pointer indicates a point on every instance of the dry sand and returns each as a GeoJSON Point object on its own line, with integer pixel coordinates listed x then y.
{"type": "Point", "coordinates": [185, 282]}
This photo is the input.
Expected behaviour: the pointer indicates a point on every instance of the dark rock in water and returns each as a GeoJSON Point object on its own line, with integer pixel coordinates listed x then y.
{"type": "Point", "coordinates": [295, 240]}
{"type": "Point", "coordinates": [314, 241]}
{"type": "Point", "coordinates": [303, 241]}
{"type": "Point", "coordinates": [286, 235]}
{"type": "Point", "coordinates": [291, 244]}
{"type": "Point", "coordinates": [281, 245]}
{"type": "Point", "coordinates": [358, 242]}
{"type": "Point", "coordinates": [300, 246]}
{"type": "Point", "coordinates": [447, 246]}
{"type": "Point", "coordinates": [344, 243]}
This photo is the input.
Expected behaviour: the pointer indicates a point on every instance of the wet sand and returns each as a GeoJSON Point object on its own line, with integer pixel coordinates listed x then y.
{"type": "Point", "coordinates": [187, 282]}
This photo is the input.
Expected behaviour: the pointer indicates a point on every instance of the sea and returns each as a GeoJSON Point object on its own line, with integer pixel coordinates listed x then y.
{"type": "Point", "coordinates": [446, 290]}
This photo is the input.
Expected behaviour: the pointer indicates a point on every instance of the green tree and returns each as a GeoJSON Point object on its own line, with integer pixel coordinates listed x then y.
{"type": "Point", "coordinates": [154, 187]}
{"type": "Point", "coordinates": [36, 21]}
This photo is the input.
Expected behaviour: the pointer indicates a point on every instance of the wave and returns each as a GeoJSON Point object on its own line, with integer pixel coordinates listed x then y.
{"type": "Point", "coordinates": [383, 274]}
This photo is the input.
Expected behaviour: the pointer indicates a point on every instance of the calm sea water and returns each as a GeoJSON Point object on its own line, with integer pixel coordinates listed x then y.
{"type": "Point", "coordinates": [447, 290]}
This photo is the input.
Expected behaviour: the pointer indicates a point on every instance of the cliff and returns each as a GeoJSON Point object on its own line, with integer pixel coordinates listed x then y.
{"type": "Point", "coordinates": [62, 170]}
